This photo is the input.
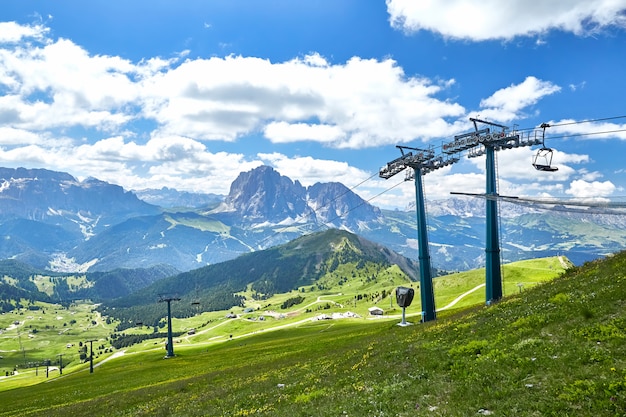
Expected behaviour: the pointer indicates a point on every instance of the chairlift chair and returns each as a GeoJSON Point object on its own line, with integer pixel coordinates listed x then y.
{"type": "Point", "coordinates": [542, 161]}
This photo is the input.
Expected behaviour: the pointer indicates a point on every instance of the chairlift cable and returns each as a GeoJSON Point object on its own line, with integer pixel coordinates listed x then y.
{"type": "Point", "coordinates": [601, 119]}
{"type": "Point", "coordinates": [588, 121]}
{"type": "Point", "coordinates": [441, 146]}
{"type": "Point", "coordinates": [566, 205]}
{"type": "Point", "coordinates": [569, 135]}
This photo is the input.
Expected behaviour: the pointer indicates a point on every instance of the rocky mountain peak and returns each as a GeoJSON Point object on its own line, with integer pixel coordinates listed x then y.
{"type": "Point", "coordinates": [335, 203]}
{"type": "Point", "coordinates": [262, 194]}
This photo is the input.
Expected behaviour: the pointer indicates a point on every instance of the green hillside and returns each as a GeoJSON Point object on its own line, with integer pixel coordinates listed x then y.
{"type": "Point", "coordinates": [21, 281]}
{"type": "Point", "coordinates": [552, 349]}
{"type": "Point", "coordinates": [321, 261]}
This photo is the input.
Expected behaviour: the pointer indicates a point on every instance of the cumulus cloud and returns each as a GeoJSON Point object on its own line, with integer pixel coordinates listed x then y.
{"type": "Point", "coordinates": [13, 136]}
{"type": "Point", "coordinates": [283, 132]}
{"type": "Point", "coordinates": [14, 32]}
{"type": "Point", "coordinates": [590, 189]}
{"type": "Point", "coordinates": [309, 170]}
{"type": "Point", "coordinates": [364, 102]}
{"type": "Point", "coordinates": [516, 165]}
{"type": "Point", "coordinates": [480, 20]}
{"type": "Point", "coordinates": [508, 103]}
{"type": "Point", "coordinates": [56, 84]}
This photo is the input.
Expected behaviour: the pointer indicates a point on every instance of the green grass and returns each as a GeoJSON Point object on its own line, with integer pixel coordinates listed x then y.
{"type": "Point", "coordinates": [550, 349]}
{"type": "Point", "coordinates": [45, 333]}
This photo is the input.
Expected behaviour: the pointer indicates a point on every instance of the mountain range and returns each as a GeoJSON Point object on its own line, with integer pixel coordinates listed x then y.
{"type": "Point", "coordinates": [53, 221]}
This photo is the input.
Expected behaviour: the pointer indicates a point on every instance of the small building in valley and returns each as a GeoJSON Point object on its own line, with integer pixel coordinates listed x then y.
{"type": "Point", "coordinates": [375, 311]}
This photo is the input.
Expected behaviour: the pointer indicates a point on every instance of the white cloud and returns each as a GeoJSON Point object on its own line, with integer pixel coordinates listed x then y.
{"type": "Point", "coordinates": [356, 104]}
{"type": "Point", "coordinates": [12, 136]}
{"type": "Point", "coordinates": [593, 189]}
{"type": "Point", "coordinates": [507, 103]}
{"type": "Point", "coordinates": [440, 183]}
{"type": "Point", "coordinates": [57, 84]}
{"type": "Point", "coordinates": [309, 170]}
{"type": "Point", "coordinates": [11, 32]}
{"type": "Point", "coordinates": [283, 132]}
{"type": "Point", "coordinates": [579, 86]}
{"type": "Point", "coordinates": [516, 165]}
{"type": "Point", "coordinates": [480, 20]}
{"type": "Point", "coordinates": [590, 176]}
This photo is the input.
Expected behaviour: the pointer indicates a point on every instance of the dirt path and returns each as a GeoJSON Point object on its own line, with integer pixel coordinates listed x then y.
{"type": "Point", "coordinates": [320, 300]}
{"type": "Point", "coordinates": [113, 356]}
{"type": "Point", "coordinates": [460, 297]}
{"type": "Point", "coordinates": [450, 305]}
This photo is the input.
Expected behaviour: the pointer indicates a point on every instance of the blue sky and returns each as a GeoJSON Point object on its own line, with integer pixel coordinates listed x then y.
{"type": "Point", "coordinates": [147, 94]}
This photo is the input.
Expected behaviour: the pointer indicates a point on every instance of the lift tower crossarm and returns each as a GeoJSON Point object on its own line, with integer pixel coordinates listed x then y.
{"type": "Point", "coordinates": [411, 157]}
{"type": "Point", "coordinates": [474, 120]}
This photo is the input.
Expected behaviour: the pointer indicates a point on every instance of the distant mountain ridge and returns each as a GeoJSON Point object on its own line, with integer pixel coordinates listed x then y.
{"type": "Point", "coordinates": [53, 221]}
{"type": "Point", "coordinates": [59, 199]}
{"type": "Point", "coordinates": [170, 198]}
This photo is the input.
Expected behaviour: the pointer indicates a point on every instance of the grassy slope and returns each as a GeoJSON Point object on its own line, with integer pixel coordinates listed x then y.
{"type": "Point", "coordinates": [58, 331]}
{"type": "Point", "coordinates": [557, 349]}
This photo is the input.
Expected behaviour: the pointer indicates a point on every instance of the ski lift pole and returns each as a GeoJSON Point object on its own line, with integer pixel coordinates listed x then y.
{"type": "Point", "coordinates": [91, 354]}
{"type": "Point", "coordinates": [426, 281]}
{"type": "Point", "coordinates": [170, 340]}
{"type": "Point", "coordinates": [493, 279]}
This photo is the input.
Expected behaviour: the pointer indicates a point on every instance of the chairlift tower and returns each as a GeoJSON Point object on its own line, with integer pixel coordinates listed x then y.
{"type": "Point", "coordinates": [493, 267]}
{"type": "Point", "coordinates": [421, 161]}
{"type": "Point", "coordinates": [489, 143]}
{"type": "Point", "coordinates": [485, 142]}
{"type": "Point", "coordinates": [477, 143]}
{"type": "Point", "coordinates": [170, 342]}
{"type": "Point", "coordinates": [60, 355]}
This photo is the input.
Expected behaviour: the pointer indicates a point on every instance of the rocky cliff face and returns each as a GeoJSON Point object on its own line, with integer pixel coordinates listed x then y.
{"type": "Point", "coordinates": [263, 195]}
{"type": "Point", "coordinates": [42, 195]}
{"type": "Point", "coordinates": [335, 204]}
{"type": "Point", "coordinates": [43, 213]}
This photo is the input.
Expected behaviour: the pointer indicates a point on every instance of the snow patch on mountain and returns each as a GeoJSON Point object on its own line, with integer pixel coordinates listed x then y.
{"type": "Point", "coordinates": [60, 262]}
